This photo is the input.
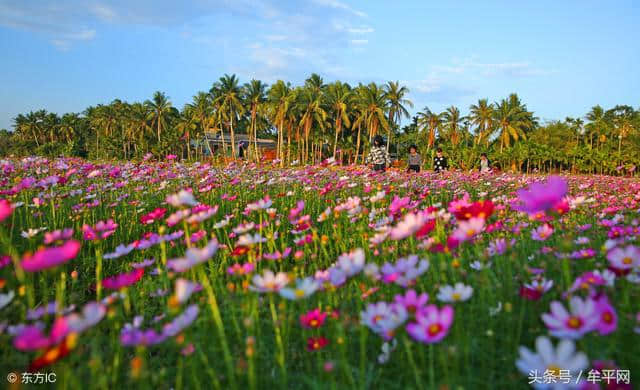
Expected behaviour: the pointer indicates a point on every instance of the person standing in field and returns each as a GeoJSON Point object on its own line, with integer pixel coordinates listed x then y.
{"type": "Point", "coordinates": [440, 162]}
{"type": "Point", "coordinates": [485, 165]}
{"type": "Point", "coordinates": [378, 156]}
{"type": "Point", "coordinates": [414, 161]}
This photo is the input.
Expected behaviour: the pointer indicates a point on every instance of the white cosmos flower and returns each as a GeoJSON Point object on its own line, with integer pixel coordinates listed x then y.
{"type": "Point", "coordinates": [457, 293]}
{"type": "Point", "coordinates": [184, 289]}
{"type": "Point", "coordinates": [92, 313]}
{"type": "Point", "coordinates": [269, 282]}
{"type": "Point", "coordinates": [563, 358]}
{"type": "Point", "coordinates": [182, 198]}
{"type": "Point", "coordinates": [249, 240]}
{"type": "Point", "coordinates": [351, 263]}
{"type": "Point", "coordinates": [304, 288]}
{"type": "Point", "coordinates": [192, 257]}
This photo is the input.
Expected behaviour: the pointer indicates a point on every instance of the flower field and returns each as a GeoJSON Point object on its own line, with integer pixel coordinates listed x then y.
{"type": "Point", "coordinates": [159, 274]}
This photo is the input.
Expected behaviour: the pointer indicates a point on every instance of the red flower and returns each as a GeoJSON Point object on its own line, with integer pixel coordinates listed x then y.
{"type": "Point", "coordinates": [426, 228]}
{"type": "Point", "coordinates": [313, 319]}
{"type": "Point", "coordinates": [239, 251]}
{"type": "Point", "coordinates": [316, 343]}
{"type": "Point", "coordinates": [530, 293]}
{"type": "Point", "coordinates": [53, 354]}
{"type": "Point", "coordinates": [482, 209]}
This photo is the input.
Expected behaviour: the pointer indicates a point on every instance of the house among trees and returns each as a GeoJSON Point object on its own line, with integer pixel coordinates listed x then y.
{"type": "Point", "coordinates": [214, 142]}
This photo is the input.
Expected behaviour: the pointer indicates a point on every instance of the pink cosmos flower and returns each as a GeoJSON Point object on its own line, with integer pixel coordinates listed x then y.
{"type": "Point", "coordinates": [410, 224]}
{"type": "Point", "coordinates": [608, 317]}
{"type": "Point", "coordinates": [51, 257]}
{"type": "Point", "coordinates": [152, 216]}
{"type": "Point", "coordinates": [277, 255]}
{"type": "Point", "coordinates": [539, 197]}
{"type": "Point", "coordinates": [57, 235]}
{"type": "Point", "coordinates": [241, 269]}
{"type": "Point", "coordinates": [542, 232]}
{"type": "Point", "coordinates": [432, 324]}
{"type": "Point", "coordinates": [294, 212]}
{"type": "Point", "coordinates": [313, 319]}
{"type": "Point", "coordinates": [123, 280]}
{"type": "Point", "coordinates": [468, 229]}
{"type": "Point", "coordinates": [586, 281]}
{"type": "Point", "coordinates": [582, 318]}
{"type": "Point", "coordinates": [624, 259]}
{"type": "Point", "coordinates": [5, 209]}
{"type": "Point", "coordinates": [411, 301]}
{"type": "Point", "coordinates": [398, 204]}
{"type": "Point", "coordinates": [101, 231]}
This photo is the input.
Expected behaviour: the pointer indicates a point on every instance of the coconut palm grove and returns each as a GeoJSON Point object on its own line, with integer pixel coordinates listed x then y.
{"type": "Point", "coordinates": [343, 202]}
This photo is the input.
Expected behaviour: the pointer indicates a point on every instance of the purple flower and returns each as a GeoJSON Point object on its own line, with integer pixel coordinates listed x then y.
{"type": "Point", "coordinates": [542, 196]}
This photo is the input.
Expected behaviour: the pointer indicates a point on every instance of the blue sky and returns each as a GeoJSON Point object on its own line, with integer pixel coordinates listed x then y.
{"type": "Point", "coordinates": [561, 57]}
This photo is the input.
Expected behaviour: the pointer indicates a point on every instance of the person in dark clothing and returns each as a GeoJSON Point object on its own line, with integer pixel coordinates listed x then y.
{"type": "Point", "coordinates": [414, 161]}
{"type": "Point", "coordinates": [378, 156]}
{"type": "Point", "coordinates": [242, 148]}
{"type": "Point", "coordinates": [440, 162]}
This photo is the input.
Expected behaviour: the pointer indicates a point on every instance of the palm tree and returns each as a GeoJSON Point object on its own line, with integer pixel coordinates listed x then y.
{"type": "Point", "coordinates": [373, 105]}
{"type": "Point", "coordinates": [452, 119]}
{"type": "Point", "coordinates": [280, 99]}
{"type": "Point", "coordinates": [313, 112]}
{"type": "Point", "coordinates": [160, 110]}
{"type": "Point", "coordinates": [396, 102]}
{"type": "Point", "coordinates": [229, 95]}
{"type": "Point", "coordinates": [186, 124]}
{"type": "Point", "coordinates": [432, 121]}
{"type": "Point", "coordinates": [597, 124]}
{"type": "Point", "coordinates": [202, 110]}
{"type": "Point", "coordinates": [511, 121]}
{"type": "Point", "coordinates": [481, 115]}
{"type": "Point", "coordinates": [255, 96]}
{"type": "Point", "coordinates": [339, 98]}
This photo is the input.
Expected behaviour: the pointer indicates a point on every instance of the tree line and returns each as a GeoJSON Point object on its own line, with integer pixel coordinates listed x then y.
{"type": "Point", "coordinates": [317, 120]}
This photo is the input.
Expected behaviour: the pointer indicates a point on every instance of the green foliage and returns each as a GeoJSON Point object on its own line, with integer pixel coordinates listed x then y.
{"type": "Point", "coordinates": [304, 118]}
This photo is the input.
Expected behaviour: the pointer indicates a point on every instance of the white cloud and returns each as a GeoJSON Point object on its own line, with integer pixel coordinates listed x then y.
{"type": "Point", "coordinates": [361, 30]}
{"type": "Point", "coordinates": [359, 41]}
{"type": "Point", "coordinates": [340, 5]}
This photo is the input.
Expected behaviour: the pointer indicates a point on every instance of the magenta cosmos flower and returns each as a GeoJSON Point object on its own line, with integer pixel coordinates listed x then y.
{"type": "Point", "coordinates": [608, 316]}
{"type": "Point", "coordinates": [412, 302]}
{"type": "Point", "coordinates": [542, 196]}
{"type": "Point", "coordinates": [31, 337]}
{"type": "Point", "coordinates": [101, 231]}
{"type": "Point", "coordinates": [123, 280]}
{"type": "Point", "coordinates": [5, 209]}
{"type": "Point", "coordinates": [51, 257]}
{"type": "Point", "coordinates": [432, 324]}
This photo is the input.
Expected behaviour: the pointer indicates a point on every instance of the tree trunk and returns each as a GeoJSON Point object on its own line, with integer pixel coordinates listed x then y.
{"type": "Point", "coordinates": [358, 144]}
{"type": "Point", "coordinates": [233, 137]}
{"type": "Point", "coordinates": [335, 143]}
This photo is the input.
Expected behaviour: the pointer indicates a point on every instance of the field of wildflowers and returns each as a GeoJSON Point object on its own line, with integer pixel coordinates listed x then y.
{"type": "Point", "coordinates": [159, 274]}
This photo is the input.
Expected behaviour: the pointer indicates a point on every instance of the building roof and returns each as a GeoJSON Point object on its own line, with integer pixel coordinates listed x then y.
{"type": "Point", "coordinates": [216, 138]}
